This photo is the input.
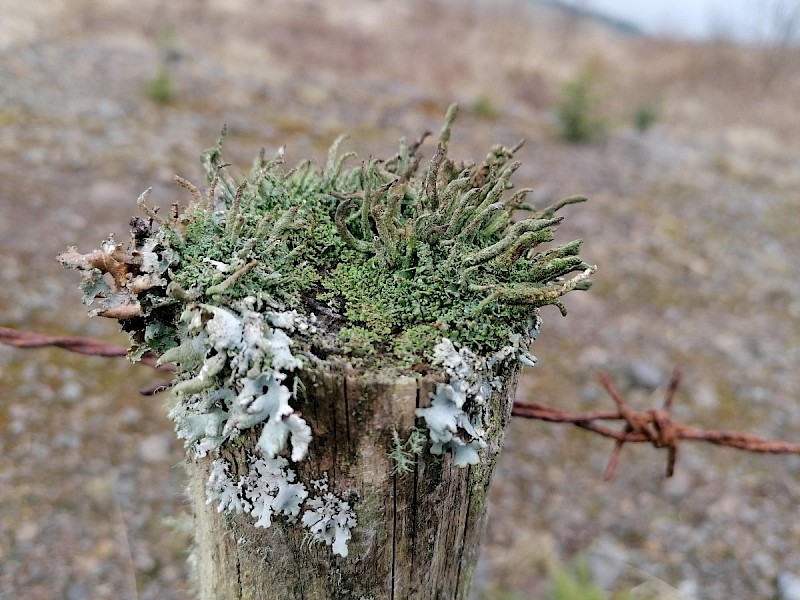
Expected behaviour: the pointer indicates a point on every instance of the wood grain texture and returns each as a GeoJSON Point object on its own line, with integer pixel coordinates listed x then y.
{"type": "Point", "coordinates": [418, 534]}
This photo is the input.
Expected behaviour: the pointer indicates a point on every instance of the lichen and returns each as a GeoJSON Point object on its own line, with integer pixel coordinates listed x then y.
{"type": "Point", "coordinates": [270, 487]}
{"type": "Point", "coordinates": [404, 452]}
{"type": "Point", "coordinates": [232, 365]}
{"type": "Point", "coordinates": [329, 519]}
{"type": "Point", "coordinates": [459, 409]}
{"type": "Point", "coordinates": [388, 265]}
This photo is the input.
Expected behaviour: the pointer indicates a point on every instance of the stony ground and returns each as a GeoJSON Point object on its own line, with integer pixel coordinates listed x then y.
{"type": "Point", "coordinates": [693, 224]}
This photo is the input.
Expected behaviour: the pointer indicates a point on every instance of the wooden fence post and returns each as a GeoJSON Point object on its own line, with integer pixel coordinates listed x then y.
{"type": "Point", "coordinates": [263, 293]}
{"type": "Point", "coordinates": [418, 533]}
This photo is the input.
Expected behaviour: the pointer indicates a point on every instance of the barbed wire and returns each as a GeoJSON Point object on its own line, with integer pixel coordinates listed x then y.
{"type": "Point", "coordinates": [654, 426]}
{"type": "Point", "coordinates": [81, 345]}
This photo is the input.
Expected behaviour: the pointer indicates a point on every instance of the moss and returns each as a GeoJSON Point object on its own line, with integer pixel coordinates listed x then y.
{"type": "Point", "coordinates": [394, 256]}
{"type": "Point", "coordinates": [406, 346]}
{"type": "Point", "coordinates": [359, 342]}
{"type": "Point", "coordinates": [384, 264]}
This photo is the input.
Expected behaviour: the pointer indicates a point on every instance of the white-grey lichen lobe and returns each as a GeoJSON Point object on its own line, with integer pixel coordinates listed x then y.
{"type": "Point", "coordinates": [233, 364]}
{"type": "Point", "coordinates": [244, 357]}
{"type": "Point", "coordinates": [382, 266]}
{"type": "Point", "coordinates": [459, 409]}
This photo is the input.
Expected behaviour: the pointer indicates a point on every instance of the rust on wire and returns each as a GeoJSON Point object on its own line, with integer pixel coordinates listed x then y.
{"type": "Point", "coordinates": [81, 345]}
{"type": "Point", "coordinates": [654, 426]}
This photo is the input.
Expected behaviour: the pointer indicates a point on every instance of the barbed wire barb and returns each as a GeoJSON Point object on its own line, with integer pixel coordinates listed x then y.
{"type": "Point", "coordinates": [654, 426]}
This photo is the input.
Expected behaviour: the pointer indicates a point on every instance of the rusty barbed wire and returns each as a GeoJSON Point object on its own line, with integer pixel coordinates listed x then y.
{"type": "Point", "coordinates": [654, 426]}
{"type": "Point", "coordinates": [81, 345]}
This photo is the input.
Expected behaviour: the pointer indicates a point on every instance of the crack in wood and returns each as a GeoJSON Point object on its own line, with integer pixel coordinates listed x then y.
{"type": "Point", "coordinates": [334, 402]}
{"type": "Point", "coordinates": [347, 417]}
{"type": "Point", "coordinates": [238, 568]}
{"type": "Point", "coordinates": [414, 515]}
{"type": "Point", "coordinates": [459, 583]}
{"type": "Point", "coordinates": [394, 532]}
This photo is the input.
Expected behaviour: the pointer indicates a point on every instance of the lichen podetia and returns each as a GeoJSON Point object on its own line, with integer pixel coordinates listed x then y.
{"type": "Point", "coordinates": [386, 264]}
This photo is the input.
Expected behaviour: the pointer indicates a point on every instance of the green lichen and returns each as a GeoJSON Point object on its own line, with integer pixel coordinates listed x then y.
{"type": "Point", "coordinates": [404, 452]}
{"type": "Point", "coordinates": [385, 263]}
{"type": "Point", "coordinates": [394, 256]}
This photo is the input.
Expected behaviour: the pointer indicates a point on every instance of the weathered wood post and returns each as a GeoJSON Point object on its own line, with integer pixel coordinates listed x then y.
{"type": "Point", "coordinates": [347, 345]}
{"type": "Point", "coordinates": [418, 532]}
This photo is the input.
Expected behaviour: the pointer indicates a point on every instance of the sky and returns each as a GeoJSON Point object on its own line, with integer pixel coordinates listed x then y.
{"type": "Point", "coordinates": [746, 20]}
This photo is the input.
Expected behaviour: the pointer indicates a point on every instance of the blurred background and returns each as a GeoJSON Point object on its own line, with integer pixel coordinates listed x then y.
{"type": "Point", "coordinates": [680, 121]}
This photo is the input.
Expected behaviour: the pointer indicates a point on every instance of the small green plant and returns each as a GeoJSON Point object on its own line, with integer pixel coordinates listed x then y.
{"type": "Point", "coordinates": [645, 116]}
{"type": "Point", "coordinates": [577, 111]}
{"type": "Point", "coordinates": [575, 584]}
{"type": "Point", "coordinates": [485, 108]}
{"type": "Point", "coordinates": [160, 87]}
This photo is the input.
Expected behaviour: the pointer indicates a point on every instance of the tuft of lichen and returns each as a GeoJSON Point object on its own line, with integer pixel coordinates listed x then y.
{"type": "Point", "coordinates": [459, 407]}
{"type": "Point", "coordinates": [404, 452]}
{"type": "Point", "coordinates": [385, 263]}
{"type": "Point", "coordinates": [329, 519]}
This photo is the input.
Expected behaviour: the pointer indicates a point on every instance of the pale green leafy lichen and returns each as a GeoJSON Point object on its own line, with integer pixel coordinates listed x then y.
{"type": "Point", "coordinates": [459, 409]}
{"type": "Point", "coordinates": [232, 365]}
{"type": "Point", "coordinates": [329, 519]}
{"type": "Point", "coordinates": [270, 487]}
{"type": "Point", "coordinates": [387, 264]}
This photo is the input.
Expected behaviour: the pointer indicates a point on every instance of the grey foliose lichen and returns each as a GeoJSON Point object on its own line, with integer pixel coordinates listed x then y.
{"type": "Point", "coordinates": [232, 367]}
{"type": "Point", "coordinates": [233, 363]}
{"type": "Point", "coordinates": [459, 409]}
{"type": "Point", "coordinates": [329, 519]}
{"type": "Point", "coordinates": [270, 487]}
{"type": "Point", "coordinates": [385, 265]}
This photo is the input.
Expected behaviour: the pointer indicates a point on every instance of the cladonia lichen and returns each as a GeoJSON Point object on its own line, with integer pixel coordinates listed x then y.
{"type": "Point", "coordinates": [389, 264]}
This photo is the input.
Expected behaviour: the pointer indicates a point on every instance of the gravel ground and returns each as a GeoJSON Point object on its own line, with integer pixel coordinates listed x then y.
{"type": "Point", "coordinates": [693, 224]}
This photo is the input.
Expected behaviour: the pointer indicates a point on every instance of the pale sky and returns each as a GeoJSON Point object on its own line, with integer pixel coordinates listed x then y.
{"type": "Point", "coordinates": [741, 19]}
